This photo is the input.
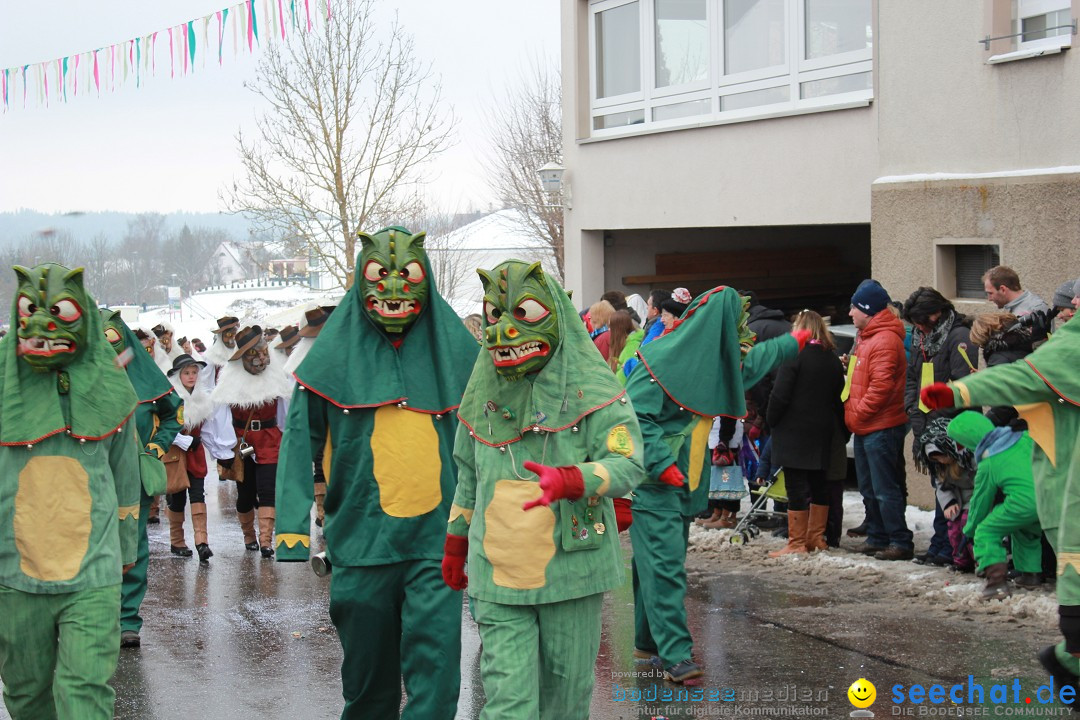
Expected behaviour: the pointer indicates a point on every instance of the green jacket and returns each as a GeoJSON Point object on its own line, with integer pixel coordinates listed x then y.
{"type": "Point", "coordinates": [685, 379]}
{"type": "Point", "coordinates": [570, 413]}
{"type": "Point", "coordinates": [1004, 465]}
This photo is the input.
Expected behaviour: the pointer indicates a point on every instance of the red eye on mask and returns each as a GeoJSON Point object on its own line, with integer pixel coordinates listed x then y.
{"type": "Point", "coordinates": [374, 271]}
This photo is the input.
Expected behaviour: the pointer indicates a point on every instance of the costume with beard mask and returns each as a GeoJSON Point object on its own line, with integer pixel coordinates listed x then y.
{"type": "Point", "coordinates": [69, 499]}
{"type": "Point", "coordinates": [224, 345]}
{"type": "Point", "coordinates": [157, 419]}
{"type": "Point", "coordinates": [255, 390]}
{"type": "Point", "coordinates": [688, 376]}
{"type": "Point", "coordinates": [378, 390]}
{"type": "Point", "coordinates": [205, 424]}
{"type": "Point", "coordinates": [547, 440]}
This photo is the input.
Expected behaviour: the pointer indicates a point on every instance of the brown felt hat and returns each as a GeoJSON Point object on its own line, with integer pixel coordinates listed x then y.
{"type": "Point", "coordinates": [313, 322]}
{"type": "Point", "coordinates": [289, 336]}
{"type": "Point", "coordinates": [247, 338]}
{"type": "Point", "coordinates": [224, 323]}
{"type": "Point", "coordinates": [159, 330]}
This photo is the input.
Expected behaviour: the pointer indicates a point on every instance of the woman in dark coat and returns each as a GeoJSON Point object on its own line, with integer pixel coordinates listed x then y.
{"type": "Point", "coordinates": [805, 411]}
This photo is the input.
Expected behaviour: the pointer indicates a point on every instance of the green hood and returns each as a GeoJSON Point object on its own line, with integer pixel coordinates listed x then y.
{"type": "Point", "coordinates": [574, 382]}
{"type": "Point", "coordinates": [1056, 360]}
{"type": "Point", "coordinates": [146, 377]}
{"type": "Point", "coordinates": [699, 364]}
{"type": "Point", "coordinates": [969, 428]}
{"type": "Point", "coordinates": [353, 364]}
{"type": "Point", "coordinates": [98, 400]}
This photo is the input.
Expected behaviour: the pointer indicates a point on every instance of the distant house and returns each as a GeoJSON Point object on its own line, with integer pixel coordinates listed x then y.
{"type": "Point", "coordinates": [227, 265]}
{"type": "Point", "coordinates": [286, 268]}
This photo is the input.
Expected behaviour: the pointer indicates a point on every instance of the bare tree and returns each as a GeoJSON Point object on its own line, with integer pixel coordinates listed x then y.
{"type": "Point", "coordinates": [525, 130]}
{"type": "Point", "coordinates": [353, 119]}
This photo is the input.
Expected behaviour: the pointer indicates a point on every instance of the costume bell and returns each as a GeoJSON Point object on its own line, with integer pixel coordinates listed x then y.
{"type": "Point", "coordinates": [1044, 387]}
{"type": "Point", "coordinates": [157, 422]}
{"type": "Point", "coordinates": [686, 377]}
{"type": "Point", "coordinates": [547, 438]}
{"type": "Point", "coordinates": [377, 391]}
{"type": "Point", "coordinates": [69, 500]}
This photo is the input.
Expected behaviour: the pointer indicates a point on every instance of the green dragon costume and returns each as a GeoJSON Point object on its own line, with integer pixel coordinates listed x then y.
{"type": "Point", "coordinates": [158, 417]}
{"type": "Point", "coordinates": [1045, 389]}
{"type": "Point", "coordinates": [1004, 466]}
{"type": "Point", "coordinates": [541, 403]}
{"type": "Point", "coordinates": [69, 505]}
{"type": "Point", "coordinates": [388, 429]}
{"type": "Point", "coordinates": [686, 378]}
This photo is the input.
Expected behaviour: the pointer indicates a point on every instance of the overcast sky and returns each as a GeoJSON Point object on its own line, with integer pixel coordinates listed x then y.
{"type": "Point", "coordinates": [170, 145]}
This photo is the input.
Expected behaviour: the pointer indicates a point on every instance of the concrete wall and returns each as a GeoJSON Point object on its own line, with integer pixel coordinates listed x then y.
{"type": "Point", "coordinates": [806, 169]}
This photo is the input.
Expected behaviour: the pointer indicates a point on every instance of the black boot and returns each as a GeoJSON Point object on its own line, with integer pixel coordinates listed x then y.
{"type": "Point", "coordinates": [205, 553]}
{"type": "Point", "coordinates": [1028, 580]}
{"type": "Point", "coordinates": [1061, 674]}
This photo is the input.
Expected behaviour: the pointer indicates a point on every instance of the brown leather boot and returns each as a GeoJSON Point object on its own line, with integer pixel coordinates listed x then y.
{"type": "Point", "coordinates": [712, 518]}
{"type": "Point", "coordinates": [177, 546]}
{"type": "Point", "coordinates": [320, 496]}
{"type": "Point", "coordinates": [266, 531]}
{"type": "Point", "coordinates": [155, 509]}
{"type": "Point", "coordinates": [198, 524]}
{"type": "Point", "coordinates": [797, 521]}
{"type": "Point", "coordinates": [726, 521]}
{"type": "Point", "coordinates": [997, 582]}
{"type": "Point", "coordinates": [815, 528]}
{"type": "Point", "coordinates": [247, 524]}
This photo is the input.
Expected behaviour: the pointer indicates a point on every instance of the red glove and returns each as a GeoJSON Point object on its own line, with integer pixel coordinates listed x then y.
{"type": "Point", "coordinates": [672, 476]}
{"type": "Point", "coordinates": [937, 396]}
{"type": "Point", "coordinates": [801, 336]}
{"type": "Point", "coordinates": [455, 552]}
{"type": "Point", "coordinates": [557, 483]}
{"type": "Point", "coordinates": [623, 517]}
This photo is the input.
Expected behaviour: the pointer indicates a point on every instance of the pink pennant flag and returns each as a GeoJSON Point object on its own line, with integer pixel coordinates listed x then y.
{"type": "Point", "coordinates": [45, 74]}
{"type": "Point", "coordinates": [183, 30]}
{"type": "Point", "coordinates": [251, 25]}
{"type": "Point", "coordinates": [327, 9]}
{"type": "Point", "coordinates": [97, 78]}
{"type": "Point", "coordinates": [172, 56]}
{"type": "Point", "coordinates": [220, 37]}
{"type": "Point", "coordinates": [281, 18]}
{"type": "Point", "coordinates": [76, 90]}
{"type": "Point", "coordinates": [307, 13]}
{"type": "Point", "coordinates": [153, 54]}
{"type": "Point", "coordinates": [112, 67]}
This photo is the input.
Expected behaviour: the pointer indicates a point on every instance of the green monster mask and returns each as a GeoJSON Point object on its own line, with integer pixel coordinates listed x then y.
{"type": "Point", "coordinates": [393, 277]}
{"type": "Point", "coordinates": [521, 328]}
{"type": "Point", "coordinates": [49, 303]}
{"type": "Point", "coordinates": [114, 330]}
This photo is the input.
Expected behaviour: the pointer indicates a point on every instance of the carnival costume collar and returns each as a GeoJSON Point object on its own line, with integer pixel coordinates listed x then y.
{"type": "Point", "coordinates": [699, 363]}
{"type": "Point", "coordinates": [236, 387]}
{"type": "Point", "coordinates": [354, 364]}
{"type": "Point", "coordinates": [89, 397]}
{"type": "Point", "coordinates": [146, 377]}
{"type": "Point", "coordinates": [197, 403]}
{"type": "Point", "coordinates": [573, 382]}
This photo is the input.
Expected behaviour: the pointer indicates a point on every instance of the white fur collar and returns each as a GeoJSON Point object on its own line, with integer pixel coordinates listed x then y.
{"type": "Point", "coordinates": [197, 405]}
{"type": "Point", "coordinates": [162, 360]}
{"type": "Point", "coordinates": [239, 388]}
{"type": "Point", "coordinates": [299, 352]}
{"type": "Point", "coordinates": [217, 354]}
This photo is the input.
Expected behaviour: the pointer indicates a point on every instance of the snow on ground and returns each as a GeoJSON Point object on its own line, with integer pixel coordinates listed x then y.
{"type": "Point", "coordinates": [269, 306]}
{"type": "Point", "coordinates": [936, 588]}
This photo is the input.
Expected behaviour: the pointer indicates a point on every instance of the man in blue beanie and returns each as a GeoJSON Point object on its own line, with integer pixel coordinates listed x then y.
{"type": "Point", "coordinates": [874, 412]}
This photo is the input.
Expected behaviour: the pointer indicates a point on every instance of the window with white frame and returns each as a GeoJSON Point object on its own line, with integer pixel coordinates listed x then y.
{"type": "Point", "coordinates": [657, 64]}
{"type": "Point", "coordinates": [1043, 23]}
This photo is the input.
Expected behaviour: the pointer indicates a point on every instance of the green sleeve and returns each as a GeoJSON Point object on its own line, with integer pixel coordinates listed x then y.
{"type": "Point", "coordinates": [124, 461]}
{"type": "Point", "coordinates": [465, 496]}
{"type": "Point", "coordinates": [166, 407]}
{"type": "Point", "coordinates": [982, 499]}
{"type": "Point", "coordinates": [764, 357]}
{"type": "Point", "coordinates": [304, 433]}
{"type": "Point", "coordinates": [1012, 384]}
{"type": "Point", "coordinates": [616, 457]}
{"type": "Point", "coordinates": [648, 400]}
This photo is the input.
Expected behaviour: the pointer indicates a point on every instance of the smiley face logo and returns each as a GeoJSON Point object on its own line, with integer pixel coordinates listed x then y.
{"type": "Point", "coordinates": [862, 693]}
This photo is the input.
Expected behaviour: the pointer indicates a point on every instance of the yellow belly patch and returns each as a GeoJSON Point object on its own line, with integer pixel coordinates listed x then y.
{"type": "Point", "coordinates": [699, 445]}
{"type": "Point", "coordinates": [519, 544]}
{"type": "Point", "coordinates": [52, 518]}
{"type": "Point", "coordinates": [406, 461]}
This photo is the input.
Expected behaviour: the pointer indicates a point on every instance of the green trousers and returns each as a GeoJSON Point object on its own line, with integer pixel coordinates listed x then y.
{"type": "Point", "coordinates": [538, 660]}
{"type": "Point", "coordinates": [134, 587]}
{"type": "Point", "coordinates": [1021, 523]}
{"type": "Point", "coordinates": [660, 539]}
{"type": "Point", "coordinates": [397, 623]}
{"type": "Point", "coordinates": [57, 653]}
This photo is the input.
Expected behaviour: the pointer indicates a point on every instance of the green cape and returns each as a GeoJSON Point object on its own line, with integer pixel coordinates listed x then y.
{"type": "Point", "coordinates": [575, 382]}
{"type": "Point", "coordinates": [100, 398]}
{"type": "Point", "coordinates": [1056, 362]}
{"type": "Point", "coordinates": [146, 377]}
{"type": "Point", "coordinates": [699, 364]}
{"type": "Point", "coordinates": [353, 364]}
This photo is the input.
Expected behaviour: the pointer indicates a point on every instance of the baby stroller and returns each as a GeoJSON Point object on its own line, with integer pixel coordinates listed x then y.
{"type": "Point", "coordinates": [772, 487]}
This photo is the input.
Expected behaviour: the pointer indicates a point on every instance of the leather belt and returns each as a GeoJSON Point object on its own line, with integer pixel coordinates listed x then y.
{"type": "Point", "coordinates": [255, 425]}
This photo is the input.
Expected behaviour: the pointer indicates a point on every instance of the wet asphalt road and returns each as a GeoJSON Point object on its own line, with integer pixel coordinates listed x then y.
{"type": "Point", "coordinates": [247, 637]}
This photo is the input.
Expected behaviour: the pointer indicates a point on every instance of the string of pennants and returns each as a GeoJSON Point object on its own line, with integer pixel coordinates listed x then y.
{"type": "Point", "coordinates": [109, 68]}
